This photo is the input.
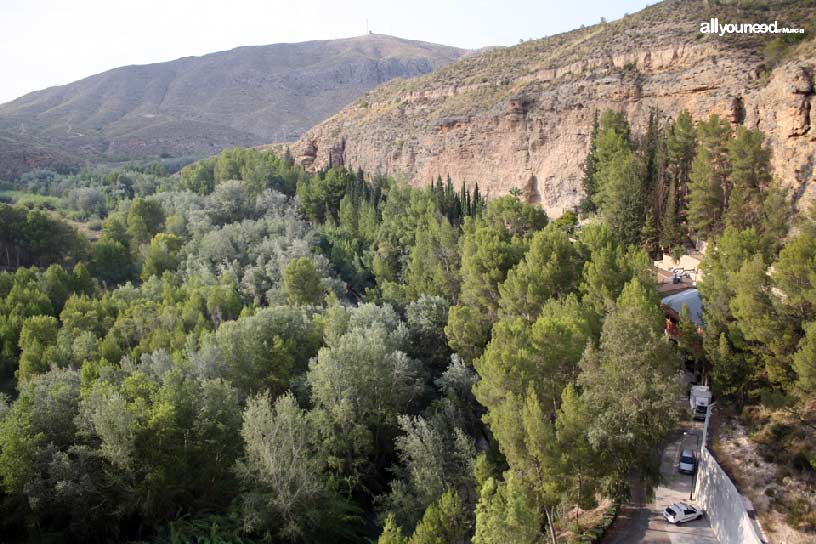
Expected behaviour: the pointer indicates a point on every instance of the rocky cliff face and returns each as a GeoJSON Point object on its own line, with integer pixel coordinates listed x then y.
{"type": "Point", "coordinates": [521, 117]}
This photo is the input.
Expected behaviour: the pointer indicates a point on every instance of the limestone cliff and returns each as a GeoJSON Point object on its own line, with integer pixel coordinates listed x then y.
{"type": "Point", "coordinates": [521, 116]}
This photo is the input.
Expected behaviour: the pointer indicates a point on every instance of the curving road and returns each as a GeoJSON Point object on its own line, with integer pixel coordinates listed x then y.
{"type": "Point", "coordinates": [642, 521]}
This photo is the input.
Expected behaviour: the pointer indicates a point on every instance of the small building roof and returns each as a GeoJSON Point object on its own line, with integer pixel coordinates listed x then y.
{"type": "Point", "coordinates": [690, 298]}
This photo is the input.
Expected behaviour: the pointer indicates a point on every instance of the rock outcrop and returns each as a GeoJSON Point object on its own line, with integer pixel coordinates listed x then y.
{"type": "Point", "coordinates": [521, 117]}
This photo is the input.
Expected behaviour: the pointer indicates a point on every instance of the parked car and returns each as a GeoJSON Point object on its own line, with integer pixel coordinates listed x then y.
{"type": "Point", "coordinates": [681, 512]}
{"type": "Point", "coordinates": [687, 462]}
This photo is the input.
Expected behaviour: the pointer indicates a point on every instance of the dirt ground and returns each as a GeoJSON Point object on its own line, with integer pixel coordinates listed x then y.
{"type": "Point", "coordinates": [765, 485]}
{"type": "Point", "coordinates": [586, 519]}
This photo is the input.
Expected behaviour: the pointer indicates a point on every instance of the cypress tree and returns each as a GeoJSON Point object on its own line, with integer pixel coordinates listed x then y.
{"type": "Point", "coordinates": [681, 143]}
{"type": "Point", "coordinates": [670, 229]}
{"type": "Point", "coordinates": [590, 166]}
{"type": "Point", "coordinates": [464, 205]}
{"type": "Point", "coordinates": [477, 200]}
{"type": "Point", "coordinates": [649, 234]}
{"type": "Point", "coordinates": [653, 160]}
{"type": "Point", "coordinates": [439, 194]}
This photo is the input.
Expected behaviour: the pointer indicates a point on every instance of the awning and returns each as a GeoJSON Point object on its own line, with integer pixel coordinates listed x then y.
{"type": "Point", "coordinates": [690, 298]}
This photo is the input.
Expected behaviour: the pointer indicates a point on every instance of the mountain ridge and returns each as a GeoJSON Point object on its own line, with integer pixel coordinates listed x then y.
{"type": "Point", "coordinates": [521, 117]}
{"type": "Point", "coordinates": [245, 96]}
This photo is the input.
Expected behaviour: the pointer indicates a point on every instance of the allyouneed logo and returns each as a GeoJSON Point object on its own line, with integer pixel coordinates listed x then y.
{"type": "Point", "coordinates": [714, 27]}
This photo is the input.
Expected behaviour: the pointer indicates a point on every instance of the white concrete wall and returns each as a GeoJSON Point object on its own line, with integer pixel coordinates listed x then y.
{"type": "Point", "coordinates": [723, 504]}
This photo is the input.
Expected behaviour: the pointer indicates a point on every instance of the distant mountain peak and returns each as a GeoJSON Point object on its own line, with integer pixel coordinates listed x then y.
{"type": "Point", "coordinates": [198, 105]}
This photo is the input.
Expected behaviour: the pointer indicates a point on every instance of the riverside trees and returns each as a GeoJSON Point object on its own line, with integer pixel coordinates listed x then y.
{"type": "Point", "coordinates": [362, 359]}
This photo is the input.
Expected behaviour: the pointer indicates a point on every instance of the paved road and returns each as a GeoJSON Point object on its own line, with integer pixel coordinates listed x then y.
{"type": "Point", "coordinates": [642, 521]}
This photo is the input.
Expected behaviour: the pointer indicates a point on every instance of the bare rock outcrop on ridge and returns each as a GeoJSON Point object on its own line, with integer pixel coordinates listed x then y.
{"type": "Point", "coordinates": [521, 117]}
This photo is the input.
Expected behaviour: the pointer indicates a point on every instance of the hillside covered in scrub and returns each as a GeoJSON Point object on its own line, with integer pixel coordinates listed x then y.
{"type": "Point", "coordinates": [196, 106]}
{"type": "Point", "coordinates": [521, 117]}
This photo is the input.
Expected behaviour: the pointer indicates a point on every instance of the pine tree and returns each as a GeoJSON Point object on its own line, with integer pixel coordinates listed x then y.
{"type": "Point", "coordinates": [288, 160]}
{"type": "Point", "coordinates": [444, 522]}
{"type": "Point", "coordinates": [348, 216]}
{"type": "Point", "coordinates": [708, 178]}
{"type": "Point", "coordinates": [749, 163]}
{"type": "Point", "coordinates": [632, 356]}
{"type": "Point", "coordinates": [547, 271]}
{"type": "Point", "coordinates": [620, 190]}
{"type": "Point", "coordinates": [776, 211]}
{"type": "Point", "coordinates": [392, 534]}
{"type": "Point", "coordinates": [464, 202]}
{"type": "Point", "coordinates": [579, 458]}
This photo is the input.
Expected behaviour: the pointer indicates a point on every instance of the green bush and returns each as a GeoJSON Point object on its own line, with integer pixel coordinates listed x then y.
{"type": "Point", "coordinates": [801, 514]}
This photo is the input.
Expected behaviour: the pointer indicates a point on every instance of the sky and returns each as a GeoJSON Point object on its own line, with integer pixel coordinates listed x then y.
{"type": "Point", "coordinates": [53, 42]}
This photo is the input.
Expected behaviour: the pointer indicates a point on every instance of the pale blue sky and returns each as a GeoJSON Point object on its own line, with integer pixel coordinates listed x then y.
{"type": "Point", "coordinates": [51, 42]}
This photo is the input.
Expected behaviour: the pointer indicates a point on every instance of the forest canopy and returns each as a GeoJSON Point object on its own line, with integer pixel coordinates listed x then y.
{"type": "Point", "coordinates": [245, 352]}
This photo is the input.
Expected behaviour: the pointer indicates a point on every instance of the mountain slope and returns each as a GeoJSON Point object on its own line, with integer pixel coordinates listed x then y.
{"type": "Point", "coordinates": [521, 117]}
{"type": "Point", "coordinates": [198, 105]}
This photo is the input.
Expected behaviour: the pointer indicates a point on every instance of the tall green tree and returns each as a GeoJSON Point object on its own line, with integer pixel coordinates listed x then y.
{"type": "Point", "coordinates": [444, 522]}
{"type": "Point", "coordinates": [749, 176]}
{"type": "Point", "coordinates": [681, 146]}
{"type": "Point", "coordinates": [548, 270]}
{"type": "Point", "coordinates": [708, 187]}
{"type": "Point", "coordinates": [654, 155]}
{"type": "Point", "coordinates": [579, 460]}
{"type": "Point", "coordinates": [608, 267]}
{"type": "Point", "coordinates": [508, 508]}
{"type": "Point", "coordinates": [590, 167]}
{"type": "Point", "coordinates": [632, 375]}
{"type": "Point", "coordinates": [724, 345]}
{"type": "Point", "coordinates": [491, 246]}
{"type": "Point", "coordinates": [619, 180]}
{"type": "Point", "coordinates": [671, 231]}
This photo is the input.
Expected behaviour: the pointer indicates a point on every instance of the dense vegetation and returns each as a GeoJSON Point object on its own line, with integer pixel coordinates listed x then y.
{"type": "Point", "coordinates": [708, 182]}
{"type": "Point", "coordinates": [248, 353]}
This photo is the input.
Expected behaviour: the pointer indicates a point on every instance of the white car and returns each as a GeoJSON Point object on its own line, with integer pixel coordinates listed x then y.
{"type": "Point", "coordinates": [681, 512]}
